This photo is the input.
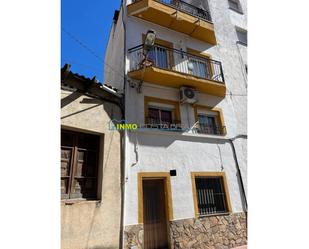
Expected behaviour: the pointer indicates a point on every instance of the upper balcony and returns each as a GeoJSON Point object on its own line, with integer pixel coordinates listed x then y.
{"type": "Point", "coordinates": [176, 68]}
{"type": "Point", "coordinates": [177, 15]}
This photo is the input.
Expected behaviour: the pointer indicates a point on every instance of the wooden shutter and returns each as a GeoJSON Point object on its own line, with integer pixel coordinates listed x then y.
{"type": "Point", "coordinates": [79, 165]}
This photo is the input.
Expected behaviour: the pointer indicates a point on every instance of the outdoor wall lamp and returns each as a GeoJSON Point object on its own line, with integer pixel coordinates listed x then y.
{"type": "Point", "coordinates": [148, 46]}
{"type": "Point", "coordinates": [149, 40]}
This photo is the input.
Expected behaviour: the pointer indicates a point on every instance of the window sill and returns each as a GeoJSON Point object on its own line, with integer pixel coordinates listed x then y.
{"type": "Point", "coordinates": [242, 43]}
{"type": "Point", "coordinates": [179, 133]}
{"type": "Point", "coordinates": [236, 10]}
{"type": "Point", "coordinates": [80, 201]}
{"type": "Point", "coordinates": [211, 215]}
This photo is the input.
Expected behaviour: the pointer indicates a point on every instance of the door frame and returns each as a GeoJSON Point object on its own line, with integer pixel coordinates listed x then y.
{"type": "Point", "coordinates": [167, 189]}
{"type": "Point", "coordinates": [168, 196]}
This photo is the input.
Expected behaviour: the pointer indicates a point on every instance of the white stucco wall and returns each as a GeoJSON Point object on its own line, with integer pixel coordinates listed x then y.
{"type": "Point", "coordinates": [162, 151]}
{"type": "Point", "coordinates": [114, 56]}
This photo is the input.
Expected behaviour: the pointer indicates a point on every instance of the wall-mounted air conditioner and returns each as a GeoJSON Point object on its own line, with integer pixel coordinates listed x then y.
{"type": "Point", "coordinates": [188, 95]}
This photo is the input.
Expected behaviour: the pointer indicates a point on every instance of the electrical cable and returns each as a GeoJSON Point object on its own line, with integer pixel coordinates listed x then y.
{"type": "Point", "coordinates": [82, 44]}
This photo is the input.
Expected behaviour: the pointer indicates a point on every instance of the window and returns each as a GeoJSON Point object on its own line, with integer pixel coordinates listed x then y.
{"type": "Point", "coordinates": [235, 5]}
{"type": "Point", "coordinates": [161, 114]}
{"type": "Point", "coordinates": [209, 120]}
{"type": "Point", "coordinates": [79, 165]}
{"type": "Point", "coordinates": [241, 36]}
{"type": "Point", "coordinates": [161, 55]}
{"type": "Point", "coordinates": [200, 64]}
{"type": "Point", "coordinates": [208, 124]}
{"type": "Point", "coordinates": [210, 193]}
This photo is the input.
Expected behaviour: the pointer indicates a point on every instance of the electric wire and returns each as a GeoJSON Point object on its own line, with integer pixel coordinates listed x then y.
{"type": "Point", "coordinates": [83, 45]}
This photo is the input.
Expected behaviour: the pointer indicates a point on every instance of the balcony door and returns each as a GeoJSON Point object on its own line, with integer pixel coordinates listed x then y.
{"type": "Point", "coordinates": [159, 56]}
{"type": "Point", "coordinates": [155, 217]}
{"type": "Point", "coordinates": [200, 68]}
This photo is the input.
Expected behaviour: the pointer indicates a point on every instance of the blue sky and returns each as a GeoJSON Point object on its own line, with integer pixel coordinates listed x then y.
{"type": "Point", "coordinates": [90, 22]}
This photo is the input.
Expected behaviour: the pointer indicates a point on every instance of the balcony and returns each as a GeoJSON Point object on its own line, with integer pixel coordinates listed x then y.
{"type": "Point", "coordinates": [176, 68]}
{"type": "Point", "coordinates": [210, 130]}
{"type": "Point", "coordinates": [157, 123]}
{"type": "Point", "coordinates": [177, 15]}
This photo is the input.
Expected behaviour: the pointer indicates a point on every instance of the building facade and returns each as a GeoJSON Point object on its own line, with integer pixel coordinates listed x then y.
{"type": "Point", "coordinates": [185, 167]}
{"type": "Point", "coordinates": [90, 164]}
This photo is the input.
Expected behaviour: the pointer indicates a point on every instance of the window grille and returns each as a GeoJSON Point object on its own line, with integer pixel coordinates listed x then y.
{"type": "Point", "coordinates": [211, 197]}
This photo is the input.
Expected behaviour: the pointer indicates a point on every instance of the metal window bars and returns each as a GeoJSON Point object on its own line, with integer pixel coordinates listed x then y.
{"type": "Point", "coordinates": [210, 129]}
{"type": "Point", "coordinates": [176, 60]}
{"type": "Point", "coordinates": [157, 123]}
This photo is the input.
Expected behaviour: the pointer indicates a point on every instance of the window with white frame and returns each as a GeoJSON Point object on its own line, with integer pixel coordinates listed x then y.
{"type": "Point", "coordinates": [235, 5]}
{"type": "Point", "coordinates": [241, 36]}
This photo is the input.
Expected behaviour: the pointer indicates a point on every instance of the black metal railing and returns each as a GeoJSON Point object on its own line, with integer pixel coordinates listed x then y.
{"type": "Point", "coordinates": [187, 8]}
{"type": "Point", "coordinates": [176, 60]}
{"type": "Point", "coordinates": [210, 129]}
{"type": "Point", "coordinates": [156, 123]}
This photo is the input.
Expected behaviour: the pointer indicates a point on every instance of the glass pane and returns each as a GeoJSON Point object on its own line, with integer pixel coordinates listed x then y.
{"type": "Point", "coordinates": [166, 117]}
{"type": "Point", "coordinates": [161, 56]}
{"type": "Point", "coordinates": [234, 5]}
{"type": "Point", "coordinates": [199, 68]}
{"type": "Point", "coordinates": [242, 36]}
{"type": "Point", "coordinates": [207, 124]}
{"type": "Point", "coordinates": [153, 116]}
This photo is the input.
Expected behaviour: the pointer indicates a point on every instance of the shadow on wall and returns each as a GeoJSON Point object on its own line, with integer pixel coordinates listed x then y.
{"type": "Point", "coordinates": [70, 98]}
{"type": "Point", "coordinates": [165, 141]}
{"type": "Point", "coordinates": [111, 109]}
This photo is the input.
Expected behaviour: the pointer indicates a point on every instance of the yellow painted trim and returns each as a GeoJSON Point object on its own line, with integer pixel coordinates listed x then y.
{"type": "Point", "coordinates": [177, 79]}
{"type": "Point", "coordinates": [148, 99]}
{"type": "Point", "coordinates": [168, 196]}
{"type": "Point", "coordinates": [169, 17]}
{"type": "Point", "coordinates": [208, 174]}
{"type": "Point", "coordinates": [198, 53]}
{"type": "Point", "coordinates": [159, 41]}
{"type": "Point", "coordinates": [214, 109]}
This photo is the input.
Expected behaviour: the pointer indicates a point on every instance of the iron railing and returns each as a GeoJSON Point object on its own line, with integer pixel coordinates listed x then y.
{"type": "Point", "coordinates": [156, 123]}
{"type": "Point", "coordinates": [187, 8]}
{"type": "Point", "coordinates": [176, 60]}
{"type": "Point", "coordinates": [210, 129]}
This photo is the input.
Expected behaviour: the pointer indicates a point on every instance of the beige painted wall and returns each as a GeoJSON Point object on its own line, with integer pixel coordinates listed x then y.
{"type": "Point", "coordinates": [94, 224]}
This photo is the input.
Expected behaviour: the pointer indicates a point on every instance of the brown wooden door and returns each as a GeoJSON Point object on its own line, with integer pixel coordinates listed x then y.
{"type": "Point", "coordinates": [155, 222]}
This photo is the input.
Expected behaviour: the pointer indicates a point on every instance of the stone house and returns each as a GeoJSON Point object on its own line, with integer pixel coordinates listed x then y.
{"type": "Point", "coordinates": [90, 164]}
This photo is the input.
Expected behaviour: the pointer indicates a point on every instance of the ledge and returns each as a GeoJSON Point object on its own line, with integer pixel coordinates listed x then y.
{"type": "Point", "coordinates": [74, 202]}
{"type": "Point", "coordinates": [179, 133]}
{"type": "Point", "coordinates": [177, 79]}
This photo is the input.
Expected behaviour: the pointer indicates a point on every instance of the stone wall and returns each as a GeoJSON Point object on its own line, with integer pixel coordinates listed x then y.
{"type": "Point", "coordinates": [215, 232]}
{"type": "Point", "coordinates": [134, 236]}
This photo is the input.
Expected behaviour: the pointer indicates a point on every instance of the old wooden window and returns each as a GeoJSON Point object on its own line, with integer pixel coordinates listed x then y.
{"type": "Point", "coordinates": [79, 165]}
{"type": "Point", "coordinates": [210, 192]}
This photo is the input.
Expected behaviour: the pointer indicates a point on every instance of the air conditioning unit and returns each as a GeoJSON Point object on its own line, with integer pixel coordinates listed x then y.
{"type": "Point", "coordinates": [188, 95]}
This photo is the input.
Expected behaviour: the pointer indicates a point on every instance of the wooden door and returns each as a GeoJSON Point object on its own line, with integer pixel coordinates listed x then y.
{"type": "Point", "coordinates": [155, 218]}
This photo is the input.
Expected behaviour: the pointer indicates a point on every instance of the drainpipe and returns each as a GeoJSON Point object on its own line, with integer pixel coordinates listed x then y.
{"type": "Point", "coordinates": [238, 169]}
{"type": "Point", "coordinates": [123, 133]}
